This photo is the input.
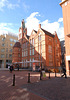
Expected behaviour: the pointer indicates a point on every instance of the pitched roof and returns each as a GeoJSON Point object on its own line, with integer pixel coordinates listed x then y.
{"type": "Point", "coordinates": [27, 36]}
{"type": "Point", "coordinates": [35, 31]}
{"type": "Point", "coordinates": [17, 44]}
{"type": "Point", "coordinates": [48, 33]}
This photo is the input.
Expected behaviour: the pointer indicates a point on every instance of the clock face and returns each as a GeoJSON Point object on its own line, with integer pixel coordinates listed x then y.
{"type": "Point", "coordinates": [24, 31]}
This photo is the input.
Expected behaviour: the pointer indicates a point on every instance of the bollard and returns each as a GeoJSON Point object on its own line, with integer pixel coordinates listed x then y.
{"type": "Point", "coordinates": [28, 77]}
{"type": "Point", "coordinates": [49, 74]}
{"type": "Point", "coordinates": [14, 80]}
{"type": "Point", "coordinates": [55, 73]}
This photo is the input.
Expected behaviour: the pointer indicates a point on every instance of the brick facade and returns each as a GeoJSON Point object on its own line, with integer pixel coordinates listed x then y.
{"type": "Point", "coordinates": [65, 4]}
{"type": "Point", "coordinates": [41, 45]}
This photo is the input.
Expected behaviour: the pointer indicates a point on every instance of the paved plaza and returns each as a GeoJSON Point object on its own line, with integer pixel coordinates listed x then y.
{"type": "Point", "coordinates": [55, 88]}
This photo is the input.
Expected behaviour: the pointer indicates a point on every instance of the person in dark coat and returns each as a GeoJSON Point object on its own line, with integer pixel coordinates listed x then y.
{"type": "Point", "coordinates": [64, 72]}
{"type": "Point", "coordinates": [11, 68]}
{"type": "Point", "coordinates": [18, 67]}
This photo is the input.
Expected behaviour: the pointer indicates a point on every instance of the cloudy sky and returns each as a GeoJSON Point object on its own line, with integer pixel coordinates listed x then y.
{"type": "Point", "coordinates": [48, 13]}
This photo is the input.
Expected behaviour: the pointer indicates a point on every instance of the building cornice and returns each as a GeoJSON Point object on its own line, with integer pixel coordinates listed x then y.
{"type": "Point", "coordinates": [63, 2]}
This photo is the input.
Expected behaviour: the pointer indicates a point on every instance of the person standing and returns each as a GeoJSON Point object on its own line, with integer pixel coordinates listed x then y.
{"type": "Point", "coordinates": [64, 72]}
{"type": "Point", "coordinates": [11, 68]}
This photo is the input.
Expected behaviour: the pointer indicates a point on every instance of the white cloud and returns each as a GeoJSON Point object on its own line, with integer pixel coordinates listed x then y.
{"type": "Point", "coordinates": [32, 23]}
{"type": "Point", "coordinates": [6, 3]}
{"type": "Point", "coordinates": [25, 7]}
{"type": "Point", "coordinates": [60, 20]}
{"type": "Point", "coordinates": [7, 27]}
{"type": "Point", "coordinates": [2, 4]}
{"type": "Point", "coordinates": [12, 6]}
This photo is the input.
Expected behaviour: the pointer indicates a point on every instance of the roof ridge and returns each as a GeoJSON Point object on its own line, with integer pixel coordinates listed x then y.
{"type": "Point", "coordinates": [48, 33]}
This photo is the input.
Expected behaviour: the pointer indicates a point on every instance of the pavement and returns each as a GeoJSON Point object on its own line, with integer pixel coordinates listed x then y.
{"type": "Point", "coordinates": [55, 88]}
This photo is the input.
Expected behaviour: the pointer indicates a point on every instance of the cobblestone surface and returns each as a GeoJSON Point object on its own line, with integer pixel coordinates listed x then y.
{"type": "Point", "coordinates": [48, 89]}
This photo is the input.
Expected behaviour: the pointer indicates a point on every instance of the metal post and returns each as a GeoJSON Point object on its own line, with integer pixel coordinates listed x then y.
{"type": "Point", "coordinates": [41, 75]}
{"type": "Point", "coordinates": [28, 77]}
{"type": "Point", "coordinates": [55, 73]}
{"type": "Point", "coordinates": [49, 74]}
{"type": "Point", "coordinates": [14, 80]}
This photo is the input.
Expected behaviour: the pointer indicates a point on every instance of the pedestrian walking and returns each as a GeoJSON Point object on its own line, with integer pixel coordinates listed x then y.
{"type": "Point", "coordinates": [18, 67]}
{"type": "Point", "coordinates": [64, 72]}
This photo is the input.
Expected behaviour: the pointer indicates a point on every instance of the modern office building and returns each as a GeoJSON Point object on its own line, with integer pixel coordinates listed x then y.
{"type": "Point", "coordinates": [6, 43]}
{"type": "Point", "coordinates": [65, 4]}
{"type": "Point", "coordinates": [41, 46]}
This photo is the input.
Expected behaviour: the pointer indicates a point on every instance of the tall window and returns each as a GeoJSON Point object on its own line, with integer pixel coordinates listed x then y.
{"type": "Point", "coordinates": [39, 37]}
{"type": "Point", "coordinates": [11, 40]}
{"type": "Point", "coordinates": [3, 50]}
{"type": "Point", "coordinates": [39, 56]}
{"type": "Point", "coordinates": [10, 55]}
{"type": "Point", "coordinates": [2, 55]}
{"type": "Point", "coordinates": [15, 40]}
{"type": "Point", "coordinates": [3, 44]}
{"type": "Point", "coordinates": [11, 44]}
{"type": "Point", "coordinates": [26, 53]}
{"type": "Point", "coordinates": [10, 50]}
{"type": "Point", "coordinates": [33, 59]}
{"type": "Point", "coordinates": [3, 39]}
{"type": "Point", "coordinates": [18, 55]}
{"type": "Point", "coordinates": [33, 41]}
{"type": "Point", "coordinates": [22, 53]}
{"type": "Point", "coordinates": [33, 51]}
{"type": "Point", "coordinates": [49, 48]}
{"type": "Point", "coordinates": [30, 51]}
{"type": "Point", "coordinates": [26, 44]}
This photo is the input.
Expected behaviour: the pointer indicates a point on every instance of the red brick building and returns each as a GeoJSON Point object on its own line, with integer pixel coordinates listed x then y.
{"type": "Point", "coordinates": [65, 4]}
{"type": "Point", "coordinates": [41, 45]}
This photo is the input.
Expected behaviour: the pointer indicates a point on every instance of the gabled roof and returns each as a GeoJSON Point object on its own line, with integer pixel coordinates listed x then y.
{"type": "Point", "coordinates": [35, 31]}
{"type": "Point", "coordinates": [17, 44]}
{"type": "Point", "coordinates": [27, 36]}
{"type": "Point", "coordinates": [48, 33]}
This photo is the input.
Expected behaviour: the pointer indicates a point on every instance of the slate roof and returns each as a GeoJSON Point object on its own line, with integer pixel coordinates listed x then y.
{"type": "Point", "coordinates": [17, 44]}
{"type": "Point", "coordinates": [48, 33]}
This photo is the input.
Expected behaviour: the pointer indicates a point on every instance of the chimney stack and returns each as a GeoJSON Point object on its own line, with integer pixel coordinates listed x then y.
{"type": "Point", "coordinates": [39, 26]}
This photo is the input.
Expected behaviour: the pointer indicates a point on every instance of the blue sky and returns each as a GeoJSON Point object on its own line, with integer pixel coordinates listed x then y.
{"type": "Point", "coordinates": [34, 12]}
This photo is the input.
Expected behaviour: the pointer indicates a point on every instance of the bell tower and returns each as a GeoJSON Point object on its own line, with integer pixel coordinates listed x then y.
{"type": "Point", "coordinates": [22, 30]}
